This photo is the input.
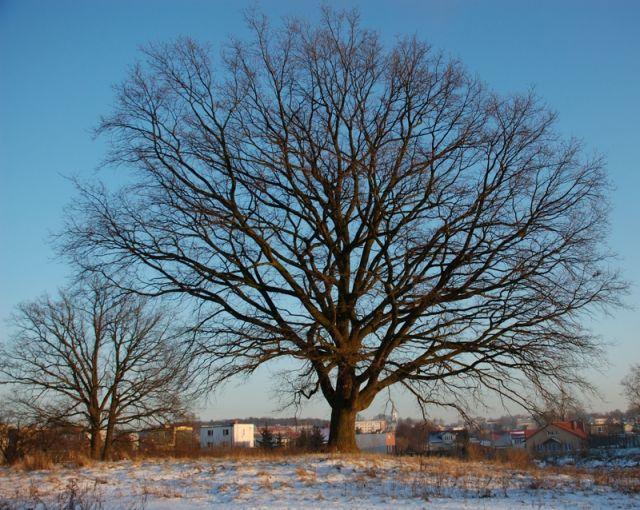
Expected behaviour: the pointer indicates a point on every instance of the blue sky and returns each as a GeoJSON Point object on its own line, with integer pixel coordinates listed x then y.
{"type": "Point", "coordinates": [59, 59]}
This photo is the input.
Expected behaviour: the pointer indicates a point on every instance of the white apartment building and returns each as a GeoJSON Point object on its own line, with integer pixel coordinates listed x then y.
{"type": "Point", "coordinates": [228, 434]}
{"type": "Point", "coordinates": [371, 426]}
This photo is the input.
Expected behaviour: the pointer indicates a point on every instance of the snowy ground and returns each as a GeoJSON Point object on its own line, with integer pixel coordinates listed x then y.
{"type": "Point", "coordinates": [315, 481]}
{"type": "Point", "coordinates": [600, 459]}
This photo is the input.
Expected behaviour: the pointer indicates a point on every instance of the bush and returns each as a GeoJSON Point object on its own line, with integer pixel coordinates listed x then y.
{"type": "Point", "coordinates": [517, 458]}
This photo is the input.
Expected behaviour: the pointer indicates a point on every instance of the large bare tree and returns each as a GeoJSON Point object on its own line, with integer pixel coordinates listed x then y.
{"type": "Point", "coordinates": [375, 214]}
{"type": "Point", "coordinates": [96, 357]}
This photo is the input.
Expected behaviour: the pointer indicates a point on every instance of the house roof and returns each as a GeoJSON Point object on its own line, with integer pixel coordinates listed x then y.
{"type": "Point", "coordinates": [571, 427]}
{"type": "Point", "coordinates": [223, 425]}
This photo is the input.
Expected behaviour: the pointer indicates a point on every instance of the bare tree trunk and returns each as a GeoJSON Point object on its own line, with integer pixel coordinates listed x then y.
{"type": "Point", "coordinates": [342, 433]}
{"type": "Point", "coordinates": [95, 442]}
{"type": "Point", "coordinates": [14, 450]}
{"type": "Point", "coordinates": [107, 448]}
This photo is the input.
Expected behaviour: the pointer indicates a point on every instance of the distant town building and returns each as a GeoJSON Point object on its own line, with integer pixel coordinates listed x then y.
{"type": "Point", "coordinates": [599, 426]}
{"type": "Point", "coordinates": [377, 442]}
{"type": "Point", "coordinates": [525, 423]}
{"type": "Point", "coordinates": [606, 426]}
{"type": "Point", "coordinates": [510, 439]}
{"type": "Point", "coordinates": [444, 440]}
{"type": "Point", "coordinates": [371, 426]}
{"type": "Point", "coordinates": [557, 438]}
{"type": "Point", "coordinates": [166, 437]}
{"type": "Point", "coordinates": [229, 434]}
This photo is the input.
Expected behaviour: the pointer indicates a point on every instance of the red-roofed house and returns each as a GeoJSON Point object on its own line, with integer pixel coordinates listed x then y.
{"type": "Point", "coordinates": [557, 438]}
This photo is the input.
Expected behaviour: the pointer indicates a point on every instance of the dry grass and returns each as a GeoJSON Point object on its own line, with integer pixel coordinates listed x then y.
{"type": "Point", "coordinates": [243, 489]}
{"type": "Point", "coordinates": [35, 461]}
{"type": "Point", "coordinates": [356, 476]}
{"type": "Point", "coordinates": [442, 477]}
{"type": "Point", "coordinates": [78, 460]}
{"type": "Point", "coordinates": [38, 460]}
{"type": "Point", "coordinates": [306, 476]}
{"type": "Point", "coordinates": [265, 480]}
{"type": "Point", "coordinates": [511, 458]}
{"type": "Point", "coordinates": [371, 472]}
{"type": "Point", "coordinates": [219, 453]}
{"type": "Point", "coordinates": [516, 458]}
{"type": "Point", "coordinates": [433, 476]}
{"type": "Point", "coordinates": [74, 496]}
{"type": "Point", "coordinates": [160, 492]}
{"type": "Point", "coordinates": [426, 476]}
{"type": "Point", "coordinates": [283, 484]}
{"type": "Point", "coordinates": [625, 480]}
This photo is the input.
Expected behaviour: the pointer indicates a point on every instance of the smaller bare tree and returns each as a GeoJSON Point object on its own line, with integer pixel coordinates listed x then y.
{"type": "Point", "coordinates": [631, 386]}
{"type": "Point", "coordinates": [98, 357]}
{"type": "Point", "coordinates": [561, 405]}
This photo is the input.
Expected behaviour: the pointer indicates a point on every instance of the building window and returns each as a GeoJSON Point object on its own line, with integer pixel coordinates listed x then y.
{"type": "Point", "coordinates": [225, 432]}
{"type": "Point", "coordinates": [209, 432]}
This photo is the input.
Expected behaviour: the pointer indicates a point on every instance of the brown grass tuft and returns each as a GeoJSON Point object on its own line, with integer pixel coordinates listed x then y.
{"type": "Point", "coordinates": [305, 476]}
{"type": "Point", "coordinates": [371, 472]}
{"type": "Point", "coordinates": [79, 460]}
{"type": "Point", "coordinates": [35, 461]}
{"type": "Point", "coordinates": [623, 480]}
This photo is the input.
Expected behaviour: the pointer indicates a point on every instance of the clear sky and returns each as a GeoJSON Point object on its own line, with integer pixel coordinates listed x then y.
{"type": "Point", "coordinates": [59, 59]}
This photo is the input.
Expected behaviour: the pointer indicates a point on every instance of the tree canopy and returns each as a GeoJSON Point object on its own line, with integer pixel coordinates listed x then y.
{"type": "Point", "coordinates": [374, 213]}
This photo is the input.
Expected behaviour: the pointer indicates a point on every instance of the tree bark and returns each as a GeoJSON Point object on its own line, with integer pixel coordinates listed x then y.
{"type": "Point", "coordinates": [342, 433]}
{"type": "Point", "coordinates": [108, 443]}
{"type": "Point", "coordinates": [107, 449]}
{"type": "Point", "coordinates": [95, 442]}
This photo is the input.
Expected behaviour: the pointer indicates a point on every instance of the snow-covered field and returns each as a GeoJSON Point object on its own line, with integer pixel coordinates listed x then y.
{"type": "Point", "coordinates": [600, 459]}
{"type": "Point", "coordinates": [313, 481]}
